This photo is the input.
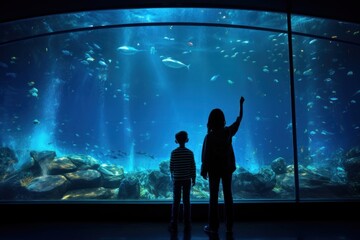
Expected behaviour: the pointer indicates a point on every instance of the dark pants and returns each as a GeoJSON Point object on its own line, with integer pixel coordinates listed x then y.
{"type": "Point", "coordinates": [214, 183]}
{"type": "Point", "coordinates": [179, 186]}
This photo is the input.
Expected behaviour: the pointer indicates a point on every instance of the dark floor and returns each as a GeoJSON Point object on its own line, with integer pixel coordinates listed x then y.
{"type": "Point", "coordinates": [103, 230]}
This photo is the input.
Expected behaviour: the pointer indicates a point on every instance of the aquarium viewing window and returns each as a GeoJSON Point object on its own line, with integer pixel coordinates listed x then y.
{"type": "Point", "coordinates": [91, 103]}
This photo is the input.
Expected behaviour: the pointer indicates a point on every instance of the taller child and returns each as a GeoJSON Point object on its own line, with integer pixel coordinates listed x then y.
{"type": "Point", "coordinates": [218, 163]}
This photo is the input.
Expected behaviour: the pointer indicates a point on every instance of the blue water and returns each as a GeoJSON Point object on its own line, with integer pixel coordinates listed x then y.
{"type": "Point", "coordinates": [125, 107]}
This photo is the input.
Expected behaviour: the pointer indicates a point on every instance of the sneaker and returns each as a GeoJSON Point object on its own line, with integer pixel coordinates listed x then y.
{"type": "Point", "coordinates": [207, 229]}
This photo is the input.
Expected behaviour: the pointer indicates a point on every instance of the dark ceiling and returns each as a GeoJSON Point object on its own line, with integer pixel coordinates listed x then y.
{"type": "Point", "coordinates": [344, 10]}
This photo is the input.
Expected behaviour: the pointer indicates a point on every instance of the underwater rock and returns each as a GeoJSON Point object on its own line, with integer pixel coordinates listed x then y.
{"type": "Point", "coordinates": [165, 167]}
{"type": "Point", "coordinates": [111, 175]}
{"type": "Point", "coordinates": [339, 175]}
{"type": "Point", "coordinates": [13, 188]}
{"type": "Point", "coordinates": [243, 180]}
{"type": "Point", "coordinates": [201, 184]}
{"type": "Point", "coordinates": [145, 194]}
{"type": "Point", "coordinates": [285, 183]}
{"type": "Point", "coordinates": [58, 166]}
{"type": "Point", "coordinates": [84, 161]}
{"type": "Point", "coordinates": [352, 169]}
{"type": "Point", "coordinates": [265, 180]}
{"type": "Point", "coordinates": [198, 193]}
{"type": "Point", "coordinates": [84, 179]}
{"type": "Point", "coordinates": [48, 187]}
{"type": "Point", "coordinates": [31, 166]}
{"type": "Point", "coordinates": [278, 165]}
{"type": "Point", "coordinates": [7, 161]}
{"type": "Point", "coordinates": [113, 192]}
{"type": "Point", "coordinates": [88, 193]}
{"type": "Point", "coordinates": [129, 188]}
{"type": "Point", "coordinates": [312, 184]}
{"type": "Point", "coordinates": [326, 190]}
{"type": "Point", "coordinates": [42, 156]}
{"type": "Point", "coordinates": [260, 183]}
{"type": "Point", "coordinates": [310, 176]}
{"type": "Point", "coordinates": [112, 181]}
{"type": "Point", "coordinates": [159, 184]}
{"type": "Point", "coordinates": [353, 152]}
{"type": "Point", "coordinates": [42, 159]}
{"type": "Point", "coordinates": [7, 153]}
{"type": "Point", "coordinates": [104, 171]}
{"type": "Point", "coordinates": [111, 169]}
{"type": "Point", "coordinates": [143, 176]}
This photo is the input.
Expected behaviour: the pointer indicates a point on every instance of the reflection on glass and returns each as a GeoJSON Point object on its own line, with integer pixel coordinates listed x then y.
{"type": "Point", "coordinates": [28, 28]}
{"type": "Point", "coordinates": [96, 111]}
{"type": "Point", "coordinates": [327, 94]}
{"type": "Point", "coordinates": [92, 113]}
{"type": "Point", "coordinates": [326, 28]}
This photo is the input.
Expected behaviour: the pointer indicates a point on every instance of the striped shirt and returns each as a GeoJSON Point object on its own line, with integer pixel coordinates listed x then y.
{"type": "Point", "coordinates": [182, 164]}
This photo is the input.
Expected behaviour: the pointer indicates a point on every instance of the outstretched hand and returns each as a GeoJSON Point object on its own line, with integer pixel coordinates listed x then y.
{"type": "Point", "coordinates": [242, 100]}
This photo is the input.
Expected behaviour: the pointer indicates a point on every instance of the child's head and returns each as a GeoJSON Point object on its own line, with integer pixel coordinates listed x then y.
{"type": "Point", "coordinates": [216, 120]}
{"type": "Point", "coordinates": [181, 137]}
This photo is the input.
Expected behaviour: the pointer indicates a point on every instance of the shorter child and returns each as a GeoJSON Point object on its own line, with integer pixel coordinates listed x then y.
{"type": "Point", "coordinates": [183, 174]}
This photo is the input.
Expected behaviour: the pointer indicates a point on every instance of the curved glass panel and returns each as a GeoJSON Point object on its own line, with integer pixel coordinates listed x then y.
{"type": "Point", "coordinates": [28, 28]}
{"type": "Point", "coordinates": [326, 28]}
{"type": "Point", "coordinates": [327, 97]}
{"type": "Point", "coordinates": [91, 103]}
{"type": "Point", "coordinates": [93, 114]}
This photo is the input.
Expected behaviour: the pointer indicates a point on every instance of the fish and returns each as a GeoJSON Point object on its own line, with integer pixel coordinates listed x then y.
{"type": "Point", "coordinates": [174, 63]}
{"type": "Point", "coordinates": [230, 81]}
{"type": "Point", "coordinates": [126, 50]}
{"type": "Point", "coordinates": [67, 52]}
{"type": "Point", "coordinates": [11, 74]}
{"type": "Point", "coordinates": [36, 121]}
{"type": "Point", "coordinates": [4, 65]}
{"type": "Point", "coordinates": [308, 72]}
{"type": "Point", "coordinates": [215, 77]}
{"type": "Point", "coordinates": [34, 92]}
{"type": "Point", "coordinates": [324, 132]}
{"type": "Point", "coordinates": [102, 63]}
{"type": "Point", "coordinates": [152, 50]}
{"type": "Point", "coordinates": [356, 93]}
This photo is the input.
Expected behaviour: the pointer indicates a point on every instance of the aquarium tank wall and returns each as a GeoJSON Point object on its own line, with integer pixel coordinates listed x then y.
{"type": "Point", "coordinates": [91, 102]}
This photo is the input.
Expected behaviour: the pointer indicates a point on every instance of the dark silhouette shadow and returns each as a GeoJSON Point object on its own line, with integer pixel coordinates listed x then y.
{"type": "Point", "coordinates": [218, 165]}
{"type": "Point", "coordinates": [183, 176]}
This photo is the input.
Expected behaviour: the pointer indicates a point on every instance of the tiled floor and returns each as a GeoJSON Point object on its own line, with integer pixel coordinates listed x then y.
{"type": "Point", "coordinates": [103, 230]}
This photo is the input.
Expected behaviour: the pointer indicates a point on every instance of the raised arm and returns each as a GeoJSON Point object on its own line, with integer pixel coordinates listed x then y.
{"type": "Point", "coordinates": [235, 126]}
{"type": "Point", "coordinates": [242, 99]}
